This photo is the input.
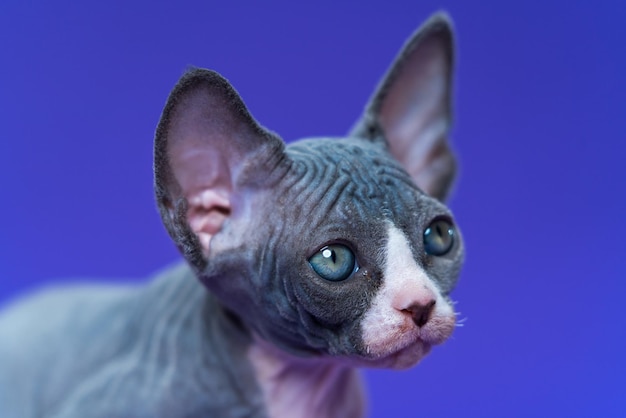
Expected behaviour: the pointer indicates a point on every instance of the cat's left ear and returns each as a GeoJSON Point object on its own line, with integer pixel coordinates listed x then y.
{"type": "Point", "coordinates": [411, 108]}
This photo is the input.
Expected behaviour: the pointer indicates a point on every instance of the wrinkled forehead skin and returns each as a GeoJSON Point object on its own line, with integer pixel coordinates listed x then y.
{"type": "Point", "coordinates": [324, 191]}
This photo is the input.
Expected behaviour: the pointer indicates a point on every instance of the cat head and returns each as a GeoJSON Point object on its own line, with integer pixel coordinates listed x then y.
{"type": "Point", "coordinates": [334, 247]}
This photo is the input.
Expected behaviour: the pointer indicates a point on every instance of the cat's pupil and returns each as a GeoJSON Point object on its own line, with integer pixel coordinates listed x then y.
{"type": "Point", "coordinates": [439, 237]}
{"type": "Point", "coordinates": [330, 254]}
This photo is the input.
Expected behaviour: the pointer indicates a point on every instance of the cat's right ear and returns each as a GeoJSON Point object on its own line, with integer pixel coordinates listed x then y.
{"type": "Point", "coordinates": [205, 142]}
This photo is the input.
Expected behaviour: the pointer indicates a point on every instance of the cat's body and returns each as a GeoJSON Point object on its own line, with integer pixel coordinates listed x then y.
{"type": "Point", "coordinates": [100, 352]}
{"type": "Point", "coordinates": [319, 257]}
{"type": "Point", "coordinates": [165, 349]}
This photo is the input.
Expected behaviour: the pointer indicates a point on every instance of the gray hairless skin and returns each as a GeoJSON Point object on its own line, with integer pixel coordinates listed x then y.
{"type": "Point", "coordinates": [303, 263]}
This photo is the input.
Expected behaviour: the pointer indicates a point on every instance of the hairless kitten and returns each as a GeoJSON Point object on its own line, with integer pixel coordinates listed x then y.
{"type": "Point", "coordinates": [303, 263]}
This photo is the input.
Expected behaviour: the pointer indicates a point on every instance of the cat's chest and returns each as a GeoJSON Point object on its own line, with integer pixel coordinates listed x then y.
{"type": "Point", "coordinates": [299, 388]}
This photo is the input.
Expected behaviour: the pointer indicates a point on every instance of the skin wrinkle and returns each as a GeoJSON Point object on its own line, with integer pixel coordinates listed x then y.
{"type": "Point", "coordinates": [359, 174]}
{"type": "Point", "coordinates": [170, 346]}
{"type": "Point", "coordinates": [158, 338]}
{"type": "Point", "coordinates": [233, 378]}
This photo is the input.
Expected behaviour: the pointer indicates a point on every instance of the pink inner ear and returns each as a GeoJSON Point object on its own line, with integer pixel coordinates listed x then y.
{"type": "Point", "coordinates": [206, 214]}
{"type": "Point", "coordinates": [414, 114]}
{"type": "Point", "coordinates": [204, 176]}
{"type": "Point", "coordinates": [419, 87]}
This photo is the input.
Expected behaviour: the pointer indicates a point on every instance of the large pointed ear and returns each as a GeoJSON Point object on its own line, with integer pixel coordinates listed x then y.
{"type": "Point", "coordinates": [410, 110]}
{"type": "Point", "coordinates": [205, 143]}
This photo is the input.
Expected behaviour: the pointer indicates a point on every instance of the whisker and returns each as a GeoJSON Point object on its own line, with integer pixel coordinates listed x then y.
{"type": "Point", "coordinates": [461, 321]}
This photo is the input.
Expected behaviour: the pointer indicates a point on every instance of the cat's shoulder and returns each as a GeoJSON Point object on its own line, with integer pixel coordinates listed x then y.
{"type": "Point", "coordinates": [64, 336]}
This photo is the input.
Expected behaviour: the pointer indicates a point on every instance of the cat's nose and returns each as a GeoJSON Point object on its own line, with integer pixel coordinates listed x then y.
{"type": "Point", "coordinates": [421, 312]}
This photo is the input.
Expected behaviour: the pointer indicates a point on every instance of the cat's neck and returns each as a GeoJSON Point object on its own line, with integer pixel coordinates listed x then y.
{"type": "Point", "coordinates": [295, 387]}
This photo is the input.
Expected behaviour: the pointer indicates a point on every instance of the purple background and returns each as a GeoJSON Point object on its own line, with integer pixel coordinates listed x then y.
{"type": "Point", "coordinates": [540, 129]}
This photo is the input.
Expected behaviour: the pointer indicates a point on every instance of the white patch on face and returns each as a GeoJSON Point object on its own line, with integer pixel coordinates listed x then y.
{"type": "Point", "coordinates": [390, 335]}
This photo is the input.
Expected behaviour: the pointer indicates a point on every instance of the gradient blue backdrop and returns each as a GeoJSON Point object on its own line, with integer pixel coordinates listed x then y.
{"type": "Point", "coordinates": [540, 128]}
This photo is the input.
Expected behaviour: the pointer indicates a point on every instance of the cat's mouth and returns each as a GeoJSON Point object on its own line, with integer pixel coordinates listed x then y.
{"type": "Point", "coordinates": [405, 345]}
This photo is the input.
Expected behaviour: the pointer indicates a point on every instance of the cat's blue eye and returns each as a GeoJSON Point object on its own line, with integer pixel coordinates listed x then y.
{"type": "Point", "coordinates": [334, 262]}
{"type": "Point", "coordinates": [439, 237]}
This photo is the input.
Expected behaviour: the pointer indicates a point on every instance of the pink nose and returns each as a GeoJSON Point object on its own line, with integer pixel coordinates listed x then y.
{"type": "Point", "coordinates": [421, 312]}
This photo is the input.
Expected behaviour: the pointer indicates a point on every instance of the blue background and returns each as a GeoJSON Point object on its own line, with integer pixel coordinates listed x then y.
{"type": "Point", "coordinates": [540, 129]}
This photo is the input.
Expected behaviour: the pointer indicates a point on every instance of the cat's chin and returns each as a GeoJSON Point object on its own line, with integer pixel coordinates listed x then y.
{"type": "Point", "coordinates": [403, 358]}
